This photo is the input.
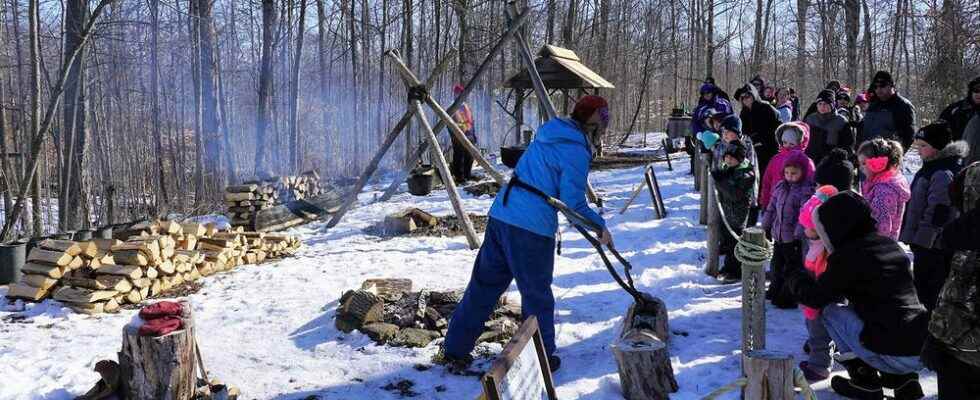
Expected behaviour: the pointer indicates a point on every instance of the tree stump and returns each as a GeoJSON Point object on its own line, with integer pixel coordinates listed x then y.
{"type": "Point", "coordinates": [753, 297]}
{"type": "Point", "coordinates": [769, 374]}
{"type": "Point", "coordinates": [159, 368]}
{"type": "Point", "coordinates": [642, 357]}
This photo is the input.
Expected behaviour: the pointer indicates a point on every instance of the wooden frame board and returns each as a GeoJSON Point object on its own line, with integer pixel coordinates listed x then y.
{"type": "Point", "coordinates": [521, 371]}
{"type": "Point", "coordinates": [651, 183]}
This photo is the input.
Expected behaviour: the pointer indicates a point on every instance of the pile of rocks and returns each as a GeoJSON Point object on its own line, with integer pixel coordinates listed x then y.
{"type": "Point", "coordinates": [390, 312]}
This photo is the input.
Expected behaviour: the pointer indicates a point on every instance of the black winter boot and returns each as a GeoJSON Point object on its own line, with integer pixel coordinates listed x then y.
{"type": "Point", "coordinates": [864, 383]}
{"type": "Point", "coordinates": [906, 386]}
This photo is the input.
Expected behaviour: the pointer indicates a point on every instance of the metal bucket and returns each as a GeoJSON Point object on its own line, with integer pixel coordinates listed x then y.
{"type": "Point", "coordinates": [511, 155]}
{"type": "Point", "coordinates": [82, 235]}
{"type": "Point", "coordinates": [12, 257]}
{"type": "Point", "coordinates": [420, 183]}
{"type": "Point", "coordinates": [104, 232]}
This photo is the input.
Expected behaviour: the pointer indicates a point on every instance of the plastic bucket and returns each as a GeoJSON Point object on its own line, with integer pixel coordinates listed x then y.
{"type": "Point", "coordinates": [12, 257]}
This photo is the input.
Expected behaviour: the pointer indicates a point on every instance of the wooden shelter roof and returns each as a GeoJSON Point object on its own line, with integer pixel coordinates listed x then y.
{"type": "Point", "coordinates": [560, 68]}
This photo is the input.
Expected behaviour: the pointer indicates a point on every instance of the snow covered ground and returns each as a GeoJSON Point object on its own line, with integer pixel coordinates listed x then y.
{"type": "Point", "coordinates": [269, 329]}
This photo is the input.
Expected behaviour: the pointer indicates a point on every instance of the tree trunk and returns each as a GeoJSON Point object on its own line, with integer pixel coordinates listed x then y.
{"type": "Point", "coordinates": [210, 120]}
{"type": "Point", "coordinates": [161, 367]}
{"type": "Point", "coordinates": [802, 7]}
{"type": "Point", "coordinates": [163, 202]}
{"type": "Point", "coordinates": [35, 60]}
{"type": "Point", "coordinates": [269, 21]}
{"type": "Point", "coordinates": [294, 164]}
{"type": "Point", "coordinates": [852, 22]}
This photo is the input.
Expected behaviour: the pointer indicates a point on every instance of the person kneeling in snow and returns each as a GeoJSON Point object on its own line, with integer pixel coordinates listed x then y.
{"type": "Point", "coordinates": [882, 328]}
{"type": "Point", "coordinates": [519, 243]}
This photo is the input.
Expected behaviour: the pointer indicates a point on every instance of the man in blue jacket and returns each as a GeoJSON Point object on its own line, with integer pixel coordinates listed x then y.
{"type": "Point", "coordinates": [519, 243]}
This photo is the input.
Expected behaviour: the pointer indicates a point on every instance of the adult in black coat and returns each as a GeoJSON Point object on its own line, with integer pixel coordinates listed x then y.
{"type": "Point", "coordinates": [759, 121]}
{"type": "Point", "coordinates": [957, 362]}
{"type": "Point", "coordinates": [964, 119]}
{"type": "Point", "coordinates": [889, 115]}
{"type": "Point", "coordinates": [883, 327]}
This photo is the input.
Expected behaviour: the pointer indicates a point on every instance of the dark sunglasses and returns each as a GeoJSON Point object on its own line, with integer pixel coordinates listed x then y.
{"type": "Point", "coordinates": [746, 96]}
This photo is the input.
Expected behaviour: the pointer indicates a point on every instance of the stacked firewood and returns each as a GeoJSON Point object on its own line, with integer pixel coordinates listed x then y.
{"type": "Point", "coordinates": [146, 261]}
{"type": "Point", "coordinates": [247, 199]}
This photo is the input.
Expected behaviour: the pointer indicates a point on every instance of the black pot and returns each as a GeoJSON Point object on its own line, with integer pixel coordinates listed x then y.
{"type": "Point", "coordinates": [82, 235]}
{"type": "Point", "coordinates": [64, 235]}
{"type": "Point", "coordinates": [104, 232]}
{"type": "Point", "coordinates": [420, 183]}
{"type": "Point", "coordinates": [12, 257]}
{"type": "Point", "coordinates": [511, 155]}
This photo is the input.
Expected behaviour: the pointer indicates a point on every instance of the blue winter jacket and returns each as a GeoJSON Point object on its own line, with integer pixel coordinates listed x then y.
{"type": "Point", "coordinates": [557, 163]}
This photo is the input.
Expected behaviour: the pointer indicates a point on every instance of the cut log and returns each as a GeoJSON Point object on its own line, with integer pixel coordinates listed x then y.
{"type": "Point", "coordinates": [241, 196]}
{"type": "Point", "coordinates": [38, 281]}
{"type": "Point", "coordinates": [87, 308]}
{"type": "Point", "coordinates": [134, 297]}
{"type": "Point", "coordinates": [61, 246]}
{"type": "Point", "coordinates": [242, 188]}
{"type": "Point", "coordinates": [58, 258]}
{"type": "Point", "coordinates": [159, 367]}
{"type": "Point", "coordinates": [167, 267]}
{"type": "Point", "coordinates": [769, 374]}
{"type": "Point", "coordinates": [81, 295]}
{"type": "Point", "coordinates": [642, 358]}
{"type": "Point", "coordinates": [26, 292]}
{"type": "Point", "coordinates": [116, 283]}
{"type": "Point", "coordinates": [88, 249]}
{"type": "Point", "coordinates": [193, 229]}
{"type": "Point", "coordinates": [142, 283]}
{"type": "Point", "coordinates": [151, 273]}
{"type": "Point", "coordinates": [297, 212]}
{"type": "Point", "coordinates": [170, 228]}
{"type": "Point", "coordinates": [111, 306]}
{"type": "Point", "coordinates": [129, 271]}
{"type": "Point", "coordinates": [387, 288]}
{"type": "Point", "coordinates": [106, 244]}
{"type": "Point", "coordinates": [130, 257]}
{"type": "Point", "coordinates": [50, 271]}
{"type": "Point", "coordinates": [357, 308]}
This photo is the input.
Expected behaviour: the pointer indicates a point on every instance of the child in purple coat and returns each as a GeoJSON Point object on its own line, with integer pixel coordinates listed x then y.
{"type": "Point", "coordinates": [780, 220]}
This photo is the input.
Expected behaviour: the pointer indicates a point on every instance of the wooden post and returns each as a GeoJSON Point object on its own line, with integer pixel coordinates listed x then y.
{"type": "Point", "coordinates": [714, 226]}
{"type": "Point", "coordinates": [642, 357]}
{"type": "Point", "coordinates": [753, 296]}
{"type": "Point", "coordinates": [658, 201]}
{"type": "Point", "coordinates": [159, 367]}
{"type": "Point", "coordinates": [703, 178]}
{"type": "Point", "coordinates": [769, 376]}
{"type": "Point", "coordinates": [443, 167]}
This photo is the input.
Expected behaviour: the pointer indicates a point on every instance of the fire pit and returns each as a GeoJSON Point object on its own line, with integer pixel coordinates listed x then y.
{"type": "Point", "coordinates": [390, 312]}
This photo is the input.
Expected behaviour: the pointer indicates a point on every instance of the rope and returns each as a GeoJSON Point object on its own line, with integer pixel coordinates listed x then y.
{"type": "Point", "coordinates": [418, 93]}
{"type": "Point", "coordinates": [745, 252]}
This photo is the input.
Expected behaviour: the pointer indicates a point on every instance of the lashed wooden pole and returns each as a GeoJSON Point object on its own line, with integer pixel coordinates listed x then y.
{"type": "Point", "coordinates": [385, 146]}
{"type": "Point", "coordinates": [753, 294]}
{"type": "Point", "coordinates": [461, 98]}
{"type": "Point", "coordinates": [443, 166]}
{"type": "Point", "coordinates": [411, 80]}
{"type": "Point", "coordinates": [539, 89]}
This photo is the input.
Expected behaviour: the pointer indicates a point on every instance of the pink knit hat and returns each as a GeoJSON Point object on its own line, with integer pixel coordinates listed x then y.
{"type": "Point", "coordinates": [819, 197]}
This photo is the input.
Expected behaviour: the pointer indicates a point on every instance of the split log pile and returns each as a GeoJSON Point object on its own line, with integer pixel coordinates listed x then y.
{"type": "Point", "coordinates": [390, 312]}
{"type": "Point", "coordinates": [146, 261]}
{"type": "Point", "coordinates": [246, 200]}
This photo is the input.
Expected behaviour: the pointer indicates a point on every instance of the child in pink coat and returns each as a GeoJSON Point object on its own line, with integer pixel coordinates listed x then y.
{"type": "Point", "coordinates": [885, 188]}
{"type": "Point", "coordinates": [818, 364]}
{"type": "Point", "coordinates": [793, 137]}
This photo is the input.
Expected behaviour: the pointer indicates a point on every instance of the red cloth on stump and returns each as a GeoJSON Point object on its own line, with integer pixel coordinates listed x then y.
{"type": "Point", "coordinates": [161, 318]}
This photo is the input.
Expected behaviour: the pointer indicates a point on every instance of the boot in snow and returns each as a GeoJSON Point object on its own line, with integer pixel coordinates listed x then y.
{"type": "Point", "coordinates": [864, 383]}
{"type": "Point", "coordinates": [906, 386]}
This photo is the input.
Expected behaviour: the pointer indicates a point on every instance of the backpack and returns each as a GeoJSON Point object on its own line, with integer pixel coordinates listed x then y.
{"type": "Point", "coordinates": [956, 320]}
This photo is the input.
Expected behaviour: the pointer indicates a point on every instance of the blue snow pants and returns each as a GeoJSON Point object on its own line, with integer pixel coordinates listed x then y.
{"type": "Point", "coordinates": [508, 253]}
